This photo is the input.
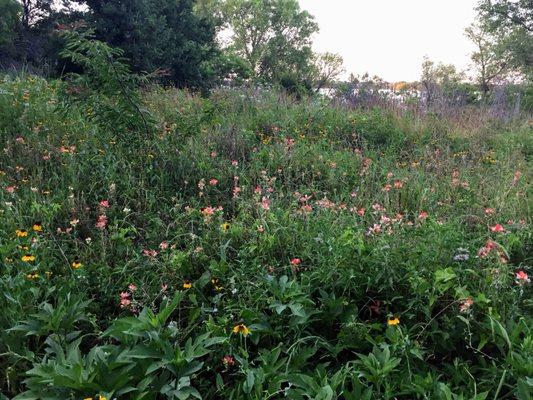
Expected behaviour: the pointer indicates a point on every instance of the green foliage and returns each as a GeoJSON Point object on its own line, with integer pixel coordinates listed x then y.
{"type": "Point", "coordinates": [9, 16]}
{"type": "Point", "coordinates": [254, 247]}
{"type": "Point", "coordinates": [159, 35]}
{"type": "Point", "coordinates": [259, 35]}
{"type": "Point", "coordinates": [107, 91]}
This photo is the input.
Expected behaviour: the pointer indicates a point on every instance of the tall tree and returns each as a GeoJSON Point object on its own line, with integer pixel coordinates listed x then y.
{"type": "Point", "coordinates": [511, 21]}
{"type": "Point", "coordinates": [10, 12]}
{"type": "Point", "coordinates": [273, 36]}
{"type": "Point", "coordinates": [34, 10]}
{"type": "Point", "coordinates": [159, 34]}
{"type": "Point", "coordinates": [490, 59]}
{"type": "Point", "coordinates": [328, 67]}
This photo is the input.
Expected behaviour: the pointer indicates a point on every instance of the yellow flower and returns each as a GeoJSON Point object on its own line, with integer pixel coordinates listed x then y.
{"type": "Point", "coordinates": [187, 285]}
{"type": "Point", "coordinates": [242, 329]}
{"type": "Point", "coordinates": [100, 397]}
{"type": "Point", "coordinates": [37, 227]}
{"type": "Point", "coordinates": [33, 276]}
{"type": "Point", "coordinates": [28, 258]}
{"type": "Point", "coordinates": [88, 398]}
{"type": "Point", "coordinates": [393, 321]}
{"type": "Point", "coordinates": [225, 226]}
{"type": "Point", "coordinates": [48, 274]}
{"type": "Point", "coordinates": [76, 264]}
{"type": "Point", "coordinates": [21, 232]}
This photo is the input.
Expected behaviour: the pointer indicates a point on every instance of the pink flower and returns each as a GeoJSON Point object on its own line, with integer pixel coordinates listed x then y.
{"type": "Point", "coordinates": [163, 245]}
{"type": "Point", "coordinates": [132, 287]}
{"type": "Point", "coordinates": [386, 188]}
{"type": "Point", "coordinates": [11, 189]}
{"type": "Point", "coordinates": [361, 212]}
{"type": "Point", "coordinates": [20, 140]}
{"type": "Point", "coordinates": [489, 211]}
{"type": "Point", "coordinates": [257, 190]}
{"type": "Point", "coordinates": [207, 211]}
{"type": "Point", "coordinates": [150, 253]}
{"type": "Point", "coordinates": [423, 215]}
{"type": "Point", "coordinates": [101, 223]}
{"type": "Point", "coordinates": [260, 229]}
{"type": "Point", "coordinates": [466, 304]}
{"type": "Point", "coordinates": [213, 154]}
{"type": "Point", "coordinates": [296, 261]}
{"type": "Point", "coordinates": [516, 177]}
{"type": "Point", "coordinates": [398, 184]}
{"type": "Point", "coordinates": [485, 250]}
{"type": "Point", "coordinates": [228, 361]}
{"type": "Point", "coordinates": [522, 277]}
{"type": "Point", "coordinates": [124, 295]}
{"type": "Point", "coordinates": [497, 228]}
{"type": "Point", "coordinates": [124, 303]}
{"type": "Point", "coordinates": [104, 203]}
{"type": "Point", "coordinates": [306, 209]}
{"type": "Point", "coordinates": [235, 163]}
{"type": "Point", "coordinates": [213, 182]}
{"type": "Point", "coordinates": [265, 204]}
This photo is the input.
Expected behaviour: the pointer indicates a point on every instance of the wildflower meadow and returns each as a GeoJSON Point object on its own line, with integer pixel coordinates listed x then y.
{"type": "Point", "coordinates": [157, 244]}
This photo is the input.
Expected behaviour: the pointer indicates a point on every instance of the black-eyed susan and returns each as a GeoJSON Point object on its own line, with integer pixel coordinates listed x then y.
{"type": "Point", "coordinates": [21, 232]}
{"type": "Point", "coordinates": [225, 227]}
{"type": "Point", "coordinates": [33, 276]}
{"type": "Point", "coordinates": [242, 329]}
{"type": "Point", "coordinates": [37, 227]}
{"type": "Point", "coordinates": [187, 284]}
{"type": "Point", "coordinates": [28, 258]}
{"type": "Point", "coordinates": [76, 264]}
{"type": "Point", "coordinates": [393, 321]}
{"type": "Point", "coordinates": [216, 283]}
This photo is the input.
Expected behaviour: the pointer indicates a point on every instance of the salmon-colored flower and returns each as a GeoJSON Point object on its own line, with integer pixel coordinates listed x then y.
{"type": "Point", "coordinates": [522, 277]}
{"type": "Point", "coordinates": [497, 228]}
{"type": "Point", "coordinates": [466, 304]}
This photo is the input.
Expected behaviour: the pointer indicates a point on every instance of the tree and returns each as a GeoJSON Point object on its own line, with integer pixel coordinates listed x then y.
{"type": "Point", "coordinates": [489, 58]}
{"type": "Point", "coordinates": [34, 10]}
{"type": "Point", "coordinates": [329, 67]}
{"type": "Point", "coordinates": [10, 12]}
{"type": "Point", "coordinates": [511, 22]}
{"type": "Point", "coordinates": [159, 34]}
{"type": "Point", "coordinates": [272, 36]}
{"type": "Point", "coordinates": [439, 80]}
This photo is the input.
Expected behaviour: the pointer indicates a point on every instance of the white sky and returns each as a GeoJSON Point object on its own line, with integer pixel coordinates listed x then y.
{"type": "Point", "coordinates": [389, 38]}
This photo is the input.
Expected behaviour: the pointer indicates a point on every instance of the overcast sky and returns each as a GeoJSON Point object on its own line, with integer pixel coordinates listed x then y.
{"type": "Point", "coordinates": [389, 38]}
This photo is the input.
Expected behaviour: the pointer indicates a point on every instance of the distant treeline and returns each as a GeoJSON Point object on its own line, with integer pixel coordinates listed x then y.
{"type": "Point", "coordinates": [200, 44]}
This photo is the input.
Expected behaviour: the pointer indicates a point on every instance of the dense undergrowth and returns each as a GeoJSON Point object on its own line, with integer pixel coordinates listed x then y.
{"type": "Point", "coordinates": [244, 246]}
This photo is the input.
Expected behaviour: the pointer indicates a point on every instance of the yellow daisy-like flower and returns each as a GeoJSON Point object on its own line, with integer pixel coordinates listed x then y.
{"type": "Point", "coordinates": [102, 397]}
{"type": "Point", "coordinates": [88, 398]}
{"type": "Point", "coordinates": [242, 329]}
{"type": "Point", "coordinates": [393, 321]}
{"type": "Point", "coordinates": [187, 284]}
{"type": "Point", "coordinates": [225, 226]}
{"type": "Point", "coordinates": [21, 232]}
{"type": "Point", "coordinates": [28, 258]}
{"type": "Point", "coordinates": [76, 264]}
{"type": "Point", "coordinates": [33, 276]}
{"type": "Point", "coordinates": [37, 227]}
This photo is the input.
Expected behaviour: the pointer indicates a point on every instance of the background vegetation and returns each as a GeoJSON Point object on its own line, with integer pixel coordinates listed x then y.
{"type": "Point", "coordinates": [250, 242]}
